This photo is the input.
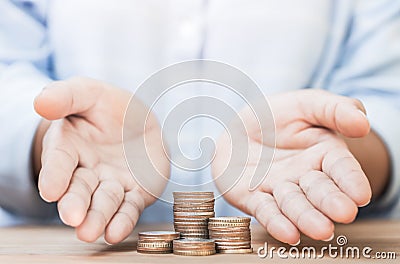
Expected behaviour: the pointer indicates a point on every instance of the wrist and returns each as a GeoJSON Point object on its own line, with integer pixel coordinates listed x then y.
{"type": "Point", "coordinates": [371, 153]}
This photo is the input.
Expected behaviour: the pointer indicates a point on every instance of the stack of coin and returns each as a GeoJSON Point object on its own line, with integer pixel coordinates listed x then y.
{"type": "Point", "coordinates": [194, 247]}
{"type": "Point", "coordinates": [231, 234]}
{"type": "Point", "coordinates": [156, 242]}
{"type": "Point", "coordinates": [191, 213]}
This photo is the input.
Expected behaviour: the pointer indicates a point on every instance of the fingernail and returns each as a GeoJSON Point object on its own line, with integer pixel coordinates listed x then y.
{"type": "Point", "coordinates": [330, 238]}
{"type": "Point", "coordinates": [61, 218]}
{"type": "Point", "coordinates": [295, 244]}
{"type": "Point", "coordinates": [44, 199]}
{"type": "Point", "coordinates": [364, 115]}
{"type": "Point", "coordinates": [105, 241]}
{"type": "Point", "coordinates": [362, 205]}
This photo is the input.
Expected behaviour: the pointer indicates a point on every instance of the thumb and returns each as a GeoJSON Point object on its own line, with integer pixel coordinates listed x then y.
{"type": "Point", "coordinates": [339, 113]}
{"type": "Point", "coordinates": [76, 96]}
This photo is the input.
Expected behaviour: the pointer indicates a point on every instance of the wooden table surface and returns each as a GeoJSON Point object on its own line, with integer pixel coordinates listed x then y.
{"type": "Point", "coordinates": [58, 244]}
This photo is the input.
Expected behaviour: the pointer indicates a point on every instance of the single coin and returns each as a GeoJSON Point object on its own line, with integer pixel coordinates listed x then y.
{"type": "Point", "coordinates": [203, 236]}
{"type": "Point", "coordinates": [193, 241]}
{"type": "Point", "coordinates": [154, 252]}
{"type": "Point", "coordinates": [192, 193]}
{"type": "Point", "coordinates": [230, 239]}
{"type": "Point", "coordinates": [193, 231]}
{"type": "Point", "coordinates": [194, 202]}
{"type": "Point", "coordinates": [188, 219]}
{"type": "Point", "coordinates": [232, 247]}
{"type": "Point", "coordinates": [235, 251]}
{"type": "Point", "coordinates": [147, 244]}
{"type": "Point", "coordinates": [231, 219]}
{"type": "Point", "coordinates": [188, 203]}
{"type": "Point", "coordinates": [195, 248]}
{"type": "Point", "coordinates": [193, 214]}
{"type": "Point", "coordinates": [190, 225]}
{"type": "Point", "coordinates": [158, 235]}
{"type": "Point", "coordinates": [222, 225]}
{"type": "Point", "coordinates": [183, 229]}
{"type": "Point", "coordinates": [194, 209]}
{"type": "Point", "coordinates": [195, 252]}
{"type": "Point", "coordinates": [229, 236]}
{"type": "Point", "coordinates": [233, 243]}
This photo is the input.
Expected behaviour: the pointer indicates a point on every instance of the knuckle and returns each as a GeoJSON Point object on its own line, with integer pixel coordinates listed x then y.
{"type": "Point", "coordinates": [114, 191]}
{"type": "Point", "coordinates": [136, 204]}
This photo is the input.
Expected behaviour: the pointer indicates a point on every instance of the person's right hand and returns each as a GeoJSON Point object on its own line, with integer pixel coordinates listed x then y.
{"type": "Point", "coordinates": [83, 163]}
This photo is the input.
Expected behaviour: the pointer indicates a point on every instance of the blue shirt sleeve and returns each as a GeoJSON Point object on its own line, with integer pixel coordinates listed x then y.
{"type": "Point", "coordinates": [368, 68]}
{"type": "Point", "coordinates": [24, 60]}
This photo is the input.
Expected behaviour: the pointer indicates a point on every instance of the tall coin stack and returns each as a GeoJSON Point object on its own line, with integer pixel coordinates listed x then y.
{"type": "Point", "coordinates": [156, 242]}
{"type": "Point", "coordinates": [191, 213]}
{"type": "Point", "coordinates": [231, 234]}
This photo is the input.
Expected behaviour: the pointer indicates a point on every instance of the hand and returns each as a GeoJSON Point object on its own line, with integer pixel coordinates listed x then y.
{"type": "Point", "coordinates": [83, 164]}
{"type": "Point", "coordinates": [314, 179]}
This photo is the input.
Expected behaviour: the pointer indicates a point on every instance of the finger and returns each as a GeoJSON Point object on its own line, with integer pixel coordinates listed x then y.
{"type": "Point", "coordinates": [123, 222]}
{"type": "Point", "coordinates": [301, 212]}
{"type": "Point", "coordinates": [346, 172]}
{"type": "Point", "coordinates": [323, 193]}
{"type": "Point", "coordinates": [60, 99]}
{"type": "Point", "coordinates": [59, 160]}
{"type": "Point", "coordinates": [73, 206]}
{"type": "Point", "coordinates": [339, 113]}
{"type": "Point", "coordinates": [264, 208]}
{"type": "Point", "coordinates": [105, 202]}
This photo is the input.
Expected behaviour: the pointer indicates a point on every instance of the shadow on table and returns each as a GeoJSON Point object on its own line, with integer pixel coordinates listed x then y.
{"type": "Point", "coordinates": [126, 246]}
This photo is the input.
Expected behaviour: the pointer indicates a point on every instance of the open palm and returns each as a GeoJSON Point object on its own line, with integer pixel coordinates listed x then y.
{"type": "Point", "coordinates": [314, 180]}
{"type": "Point", "coordinates": [83, 163]}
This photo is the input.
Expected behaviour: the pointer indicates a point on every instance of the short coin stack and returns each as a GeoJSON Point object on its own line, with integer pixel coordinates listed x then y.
{"type": "Point", "coordinates": [156, 242]}
{"type": "Point", "coordinates": [191, 213]}
{"type": "Point", "coordinates": [194, 247]}
{"type": "Point", "coordinates": [231, 234]}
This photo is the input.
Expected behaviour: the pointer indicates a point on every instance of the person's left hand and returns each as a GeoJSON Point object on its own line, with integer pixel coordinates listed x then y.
{"type": "Point", "coordinates": [314, 179]}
